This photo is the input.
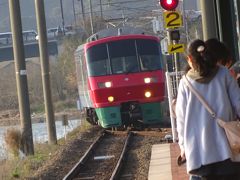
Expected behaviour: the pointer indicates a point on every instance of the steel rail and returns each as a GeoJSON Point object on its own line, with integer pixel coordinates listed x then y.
{"type": "Point", "coordinates": [75, 170]}
{"type": "Point", "coordinates": [117, 169]}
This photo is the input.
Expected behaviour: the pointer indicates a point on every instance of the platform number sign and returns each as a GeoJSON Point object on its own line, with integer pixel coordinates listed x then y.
{"type": "Point", "coordinates": [172, 19]}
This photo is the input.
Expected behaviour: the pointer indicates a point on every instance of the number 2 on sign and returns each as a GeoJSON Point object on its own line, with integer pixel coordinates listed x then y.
{"type": "Point", "coordinates": [172, 19]}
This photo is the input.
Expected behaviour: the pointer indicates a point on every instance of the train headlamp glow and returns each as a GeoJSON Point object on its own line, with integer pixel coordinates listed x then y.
{"type": "Point", "coordinates": [148, 94]}
{"type": "Point", "coordinates": [110, 98]}
{"type": "Point", "coordinates": [148, 80]}
{"type": "Point", "coordinates": [107, 84]}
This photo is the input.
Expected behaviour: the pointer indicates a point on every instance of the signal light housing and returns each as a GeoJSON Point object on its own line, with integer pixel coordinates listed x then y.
{"type": "Point", "coordinates": [169, 5]}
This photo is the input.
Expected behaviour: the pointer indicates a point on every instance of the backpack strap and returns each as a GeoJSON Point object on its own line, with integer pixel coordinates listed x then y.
{"type": "Point", "coordinates": [200, 98]}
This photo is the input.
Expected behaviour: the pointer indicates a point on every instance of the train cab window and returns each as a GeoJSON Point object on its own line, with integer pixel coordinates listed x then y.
{"type": "Point", "coordinates": [149, 62]}
{"type": "Point", "coordinates": [131, 64]}
{"type": "Point", "coordinates": [149, 55]}
{"type": "Point", "coordinates": [123, 56]}
{"type": "Point", "coordinates": [117, 65]}
{"type": "Point", "coordinates": [97, 58]}
{"type": "Point", "coordinates": [124, 65]}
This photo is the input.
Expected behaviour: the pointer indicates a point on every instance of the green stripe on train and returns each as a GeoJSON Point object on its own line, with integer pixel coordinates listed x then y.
{"type": "Point", "coordinates": [110, 116]}
{"type": "Point", "coordinates": [152, 113]}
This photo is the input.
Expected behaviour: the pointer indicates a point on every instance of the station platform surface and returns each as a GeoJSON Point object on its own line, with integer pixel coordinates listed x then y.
{"type": "Point", "coordinates": [163, 164]}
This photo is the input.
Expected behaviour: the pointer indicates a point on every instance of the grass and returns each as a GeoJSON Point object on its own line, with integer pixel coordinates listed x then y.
{"type": "Point", "coordinates": [58, 106]}
{"type": "Point", "coordinates": [13, 141]}
{"type": "Point", "coordinates": [16, 168]}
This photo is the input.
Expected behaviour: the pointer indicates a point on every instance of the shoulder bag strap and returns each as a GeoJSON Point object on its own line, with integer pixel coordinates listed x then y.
{"type": "Point", "coordinates": [200, 98]}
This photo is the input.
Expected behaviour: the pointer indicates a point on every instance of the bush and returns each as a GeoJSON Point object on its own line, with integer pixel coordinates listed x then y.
{"type": "Point", "coordinates": [13, 141]}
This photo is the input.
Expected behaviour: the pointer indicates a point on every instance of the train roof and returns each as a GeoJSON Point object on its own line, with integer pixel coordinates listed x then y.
{"type": "Point", "coordinates": [121, 37]}
{"type": "Point", "coordinates": [125, 30]}
{"type": "Point", "coordinates": [113, 34]}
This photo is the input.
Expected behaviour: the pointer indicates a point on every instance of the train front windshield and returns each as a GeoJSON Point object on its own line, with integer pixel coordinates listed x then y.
{"type": "Point", "coordinates": [123, 56]}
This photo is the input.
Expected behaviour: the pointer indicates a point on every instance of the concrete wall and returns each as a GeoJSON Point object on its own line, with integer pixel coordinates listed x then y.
{"type": "Point", "coordinates": [31, 50]}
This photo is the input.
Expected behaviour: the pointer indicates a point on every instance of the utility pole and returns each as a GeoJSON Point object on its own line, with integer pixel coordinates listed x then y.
{"type": "Point", "coordinates": [123, 17]}
{"type": "Point", "coordinates": [83, 13]}
{"type": "Point", "coordinates": [91, 16]}
{"type": "Point", "coordinates": [219, 22]}
{"type": "Point", "coordinates": [209, 20]}
{"type": "Point", "coordinates": [74, 13]}
{"type": "Point", "coordinates": [21, 77]}
{"type": "Point", "coordinates": [43, 51]}
{"type": "Point", "coordinates": [63, 25]}
{"type": "Point", "coordinates": [101, 10]}
{"type": "Point", "coordinates": [227, 26]}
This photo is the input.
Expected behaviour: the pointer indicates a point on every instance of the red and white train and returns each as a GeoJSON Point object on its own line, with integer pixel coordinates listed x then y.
{"type": "Point", "coordinates": [121, 80]}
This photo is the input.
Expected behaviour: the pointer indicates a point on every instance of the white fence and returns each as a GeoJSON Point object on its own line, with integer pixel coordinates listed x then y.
{"type": "Point", "coordinates": [173, 79]}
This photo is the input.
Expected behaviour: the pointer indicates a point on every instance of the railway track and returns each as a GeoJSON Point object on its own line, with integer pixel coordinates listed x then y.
{"type": "Point", "coordinates": [103, 159]}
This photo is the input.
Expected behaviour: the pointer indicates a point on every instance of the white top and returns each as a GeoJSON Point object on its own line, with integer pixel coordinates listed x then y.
{"type": "Point", "coordinates": [203, 140]}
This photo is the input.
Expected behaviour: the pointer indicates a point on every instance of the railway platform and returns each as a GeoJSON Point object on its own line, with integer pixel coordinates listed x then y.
{"type": "Point", "coordinates": [163, 164]}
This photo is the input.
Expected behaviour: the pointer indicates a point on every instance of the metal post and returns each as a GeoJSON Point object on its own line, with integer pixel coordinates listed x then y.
{"type": "Point", "coordinates": [63, 25]}
{"type": "Point", "coordinates": [123, 17]}
{"type": "Point", "coordinates": [238, 12]}
{"type": "Point", "coordinates": [21, 77]}
{"type": "Point", "coordinates": [74, 13]}
{"type": "Point", "coordinates": [83, 13]}
{"type": "Point", "coordinates": [101, 9]}
{"type": "Point", "coordinates": [43, 51]}
{"type": "Point", "coordinates": [227, 26]}
{"type": "Point", "coordinates": [209, 20]}
{"type": "Point", "coordinates": [238, 20]}
{"type": "Point", "coordinates": [91, 16]}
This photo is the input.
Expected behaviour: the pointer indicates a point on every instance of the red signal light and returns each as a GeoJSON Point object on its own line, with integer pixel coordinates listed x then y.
{"type": "Point", "coordinates": [169, 5]}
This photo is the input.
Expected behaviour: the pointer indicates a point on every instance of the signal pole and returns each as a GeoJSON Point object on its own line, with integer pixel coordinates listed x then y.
{"type": "Point", "coordinates": [43, 51]}
{"type": "Point", "coordinates": [172, 23]}
{"type": "Point", "coordinates": [63, 24]}
{"type": "Point", "coordinates": [101, 9]}
{"type": "Point", "coordinates": [91, 16]}
{"type": "Point", "coordinates": [83, 13]}
{"type": "Point", "coordinates": [21, 77]}
{"type": "Point", "coordinates": [74, 13]}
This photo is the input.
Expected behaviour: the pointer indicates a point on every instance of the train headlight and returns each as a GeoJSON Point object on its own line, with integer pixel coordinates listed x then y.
{"type": "Point", "coordinates": [107, 84]}
{"type": "Point", "coordinates": [148, 94]}
{"type": "Point", "coordinates": [110, 98]}
{"type": "Point", "coordinates": [148, 80]}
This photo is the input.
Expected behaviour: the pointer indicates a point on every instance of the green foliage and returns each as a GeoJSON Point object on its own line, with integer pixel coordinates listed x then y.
{"type": "Point", "coordinates": [16, 173]}
{"type": "Point", "coordinates": [63, 105]}
{"type": "Point", "coordinates": [13, 141]}
{"type": "Point", "coordinates": [23, 168]}
{"type": "Point", "coordinates": [37, 108]}
{"type": "Point", "coordinates": [64, 78]}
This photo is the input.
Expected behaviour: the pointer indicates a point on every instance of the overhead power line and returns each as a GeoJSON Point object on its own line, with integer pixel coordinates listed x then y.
{"type": "Point", "coordinates": [123, 2]}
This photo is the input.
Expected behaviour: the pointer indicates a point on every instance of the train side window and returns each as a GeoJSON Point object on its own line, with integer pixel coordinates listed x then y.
{"type": "Point", "coordinates": [97, 60]}
{"type": "Point", "coordinates": [98, 68]}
